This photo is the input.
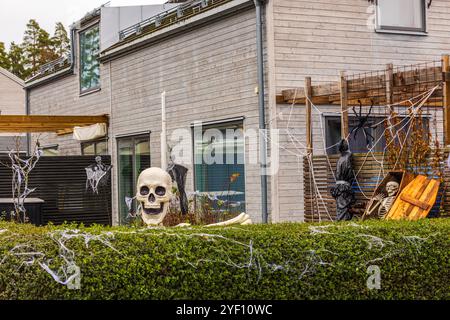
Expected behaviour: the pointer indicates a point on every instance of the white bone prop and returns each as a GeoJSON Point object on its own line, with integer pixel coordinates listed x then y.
{"type": "Point", "coordinates": [242, 219]}
{"type": "Point", "coordinates": [154, 190]}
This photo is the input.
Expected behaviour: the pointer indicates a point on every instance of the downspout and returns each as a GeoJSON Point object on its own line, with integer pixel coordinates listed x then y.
{"type": "Point", "coordinates": [27, 112]}
{"type": "Point", "coordinates": [262, 116]}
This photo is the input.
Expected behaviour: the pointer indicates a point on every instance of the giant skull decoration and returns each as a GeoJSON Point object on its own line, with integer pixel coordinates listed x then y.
{"type": "Point", "coordinates": [154, 190]}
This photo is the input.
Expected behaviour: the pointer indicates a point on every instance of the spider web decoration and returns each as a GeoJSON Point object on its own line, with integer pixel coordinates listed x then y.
{"type": "Point", "coordinates": [407, 109]}
{"type": "Point", "coordinates": [97, 175]}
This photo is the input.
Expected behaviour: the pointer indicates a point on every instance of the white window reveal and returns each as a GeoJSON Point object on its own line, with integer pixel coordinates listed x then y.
{"type": "Point", "coordinates": [401, 15]}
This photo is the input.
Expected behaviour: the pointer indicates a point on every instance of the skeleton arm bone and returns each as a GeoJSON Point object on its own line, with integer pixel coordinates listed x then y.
{"type": "Point", "coordinates": [243, 219]}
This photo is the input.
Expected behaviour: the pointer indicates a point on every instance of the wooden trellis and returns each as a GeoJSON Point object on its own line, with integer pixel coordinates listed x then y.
{"type": "Point", "coordinates": [393, 85]}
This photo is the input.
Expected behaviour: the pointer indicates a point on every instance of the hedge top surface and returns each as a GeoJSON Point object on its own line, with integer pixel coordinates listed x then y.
{"type": "Point", "coordinates": [280, 261]}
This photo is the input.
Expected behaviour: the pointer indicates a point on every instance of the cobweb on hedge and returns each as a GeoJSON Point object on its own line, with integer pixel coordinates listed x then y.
{"type": "Point", "coordinates": [302, 264]}
{"type": "Point", "coordinates": [68, 273]}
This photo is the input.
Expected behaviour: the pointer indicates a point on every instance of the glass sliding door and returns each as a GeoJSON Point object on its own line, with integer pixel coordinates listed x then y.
{"type": "Point", "coordinates": [133, 158]}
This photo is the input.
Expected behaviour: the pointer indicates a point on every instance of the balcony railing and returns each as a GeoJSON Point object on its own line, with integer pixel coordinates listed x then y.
{"type": "Point", "coordinates": [168, 17]}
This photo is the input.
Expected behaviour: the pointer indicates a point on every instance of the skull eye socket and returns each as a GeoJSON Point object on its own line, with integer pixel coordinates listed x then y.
{"type": "Point", "coordinates": [160, 191]}
{"type": "Point", "coordinates": [144, 191]}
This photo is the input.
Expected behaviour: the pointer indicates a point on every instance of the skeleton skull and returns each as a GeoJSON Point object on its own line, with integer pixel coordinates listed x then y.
{"type": "Point", "coordinates": [392, 188]}
{"type": "Point", "coordinates": [154, 190]}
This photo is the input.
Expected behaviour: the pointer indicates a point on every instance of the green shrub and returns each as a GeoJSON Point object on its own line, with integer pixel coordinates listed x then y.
{"type": "Point", "coordinates": [283, 261]}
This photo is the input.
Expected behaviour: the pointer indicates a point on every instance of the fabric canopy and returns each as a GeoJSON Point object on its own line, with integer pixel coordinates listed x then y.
{"type": "Point", "coordinates": [92, 132]}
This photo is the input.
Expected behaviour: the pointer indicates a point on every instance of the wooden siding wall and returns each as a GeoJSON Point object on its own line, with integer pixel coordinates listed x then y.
{"type": "Point", "coordinates": [62, 97]}
{"type": "Point", "coordinates": [318, 39]}
{"type": "Point", "coordinates": [321, 206]}
{"type": "Point", "coordinates": [12, 96]}
{"type": "Point", "coordinates": [209, 74]}
{"type": "Point", "coordinates": [12, 101]}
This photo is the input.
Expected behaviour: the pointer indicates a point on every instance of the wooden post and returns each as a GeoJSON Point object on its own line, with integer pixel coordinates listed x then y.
{"type": "Point", "coordinates": [446, 102]}
{"type": "Point", "coordinates": [390, 86]}
{"type": "Point", "coordinates": [344, 105]}
{"type": "Point", "coordinates": [308, 95]}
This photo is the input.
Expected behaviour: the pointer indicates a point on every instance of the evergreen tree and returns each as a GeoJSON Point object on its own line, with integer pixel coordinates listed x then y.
{"type": "Point", "coordinates": [31, 46]}
{"type": "Point", "coordinates": [16, 58]}
{"type": "Point", "coordinates": [61, 42]}
{"type": "Point", "coordinates": [37, 47]}
{"type": "Point", "coordinates": [5, 63]}
{"type": "Point", "coordinates": [45, 44]}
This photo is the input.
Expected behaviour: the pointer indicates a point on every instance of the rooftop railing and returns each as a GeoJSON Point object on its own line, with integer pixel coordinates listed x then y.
{"type": "Point", "coordinates": [170, 16]}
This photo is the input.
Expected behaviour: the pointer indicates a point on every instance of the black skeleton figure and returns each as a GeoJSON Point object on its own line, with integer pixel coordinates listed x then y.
{"type": "Point", "coordinates": [363, 124]}
{"type": "Point", "coordinates": [342, 192]}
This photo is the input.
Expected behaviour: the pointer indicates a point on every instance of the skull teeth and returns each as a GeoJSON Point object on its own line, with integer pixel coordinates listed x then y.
{"type": "Point", "coordinates": [153, 211]}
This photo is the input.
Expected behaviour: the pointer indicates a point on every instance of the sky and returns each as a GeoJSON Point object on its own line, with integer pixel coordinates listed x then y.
{"type": "Point", "coordinates": [15, 14]}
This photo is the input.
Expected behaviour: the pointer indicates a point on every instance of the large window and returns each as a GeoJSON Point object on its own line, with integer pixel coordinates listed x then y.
{"type": "Point", "coordinates": [133, 158]}
{"type": "Point", "coordinates": [89, 64]}
{"type": "Point", "coordinates": [95, 148]}
{"type": "Point", "coordinates": [219, 165]}
{"type": "Point", "coordinates": [401, 15]}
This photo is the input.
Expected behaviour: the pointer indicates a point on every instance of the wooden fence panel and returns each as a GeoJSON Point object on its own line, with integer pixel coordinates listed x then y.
{"type": "Point", "coordinates": [61, 183]}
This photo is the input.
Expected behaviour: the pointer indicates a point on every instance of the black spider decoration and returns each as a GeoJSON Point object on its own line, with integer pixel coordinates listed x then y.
{"type": "Point", "coordinates": [363, 124]}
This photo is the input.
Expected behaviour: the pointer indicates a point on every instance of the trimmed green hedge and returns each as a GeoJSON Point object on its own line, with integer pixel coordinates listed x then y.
{"type": "Point", "coordinates": [284, 261]}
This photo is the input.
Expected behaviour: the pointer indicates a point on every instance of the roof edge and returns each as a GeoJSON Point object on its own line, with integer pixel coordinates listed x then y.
{"type": "Point", "coordinates": [12, 76]}
{"type": "Point", "coordinates": [118, 49]}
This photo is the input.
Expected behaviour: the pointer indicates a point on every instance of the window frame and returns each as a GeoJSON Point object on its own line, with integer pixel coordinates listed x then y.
{"type": "Point", "coordinates": [95, 142]}
{"type": "Point", "coordinates": [215, 125]}
{"type": "Point", "coordinates": [133, 138]}
{"type": "Point", "coordinates": [83, 92]}
{"type": "Point", "coordinates": [402, 30]}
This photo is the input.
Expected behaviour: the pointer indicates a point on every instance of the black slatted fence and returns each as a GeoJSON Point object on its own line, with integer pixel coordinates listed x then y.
{"type": "Point", "coordinates": [61, 183]}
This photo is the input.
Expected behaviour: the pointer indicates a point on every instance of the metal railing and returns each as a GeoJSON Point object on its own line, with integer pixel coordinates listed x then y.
{"type": "Point", "coordinates": [178, 13]}
{"type": "Point", "coordinates": [53, 65]}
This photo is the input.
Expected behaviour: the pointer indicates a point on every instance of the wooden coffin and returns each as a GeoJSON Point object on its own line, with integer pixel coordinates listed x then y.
{"type": "Point", "coordinates": [416, 200]}
{"type": "Point", "coordinates": [402, 177]}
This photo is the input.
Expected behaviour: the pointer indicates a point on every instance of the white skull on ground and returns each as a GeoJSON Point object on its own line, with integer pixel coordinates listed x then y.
{"type": "Point", "coordinates": [154, 190]}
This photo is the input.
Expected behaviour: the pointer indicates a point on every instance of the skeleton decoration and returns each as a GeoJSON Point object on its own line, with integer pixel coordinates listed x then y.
{"type": "Point", "coordinates": [154, 191]}
{"type": "Point", "coordinates": [97, 175]}
{"type": "Point", "coordinates": [384, 202]}
{"type": "Point", "coordinates": [342, 191]}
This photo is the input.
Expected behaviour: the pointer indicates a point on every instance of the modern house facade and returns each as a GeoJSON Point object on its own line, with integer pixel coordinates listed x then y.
{"type": "Point", "coordinates": [204, 56]}
{"type": "Point", "coordinates": [12, 102]}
